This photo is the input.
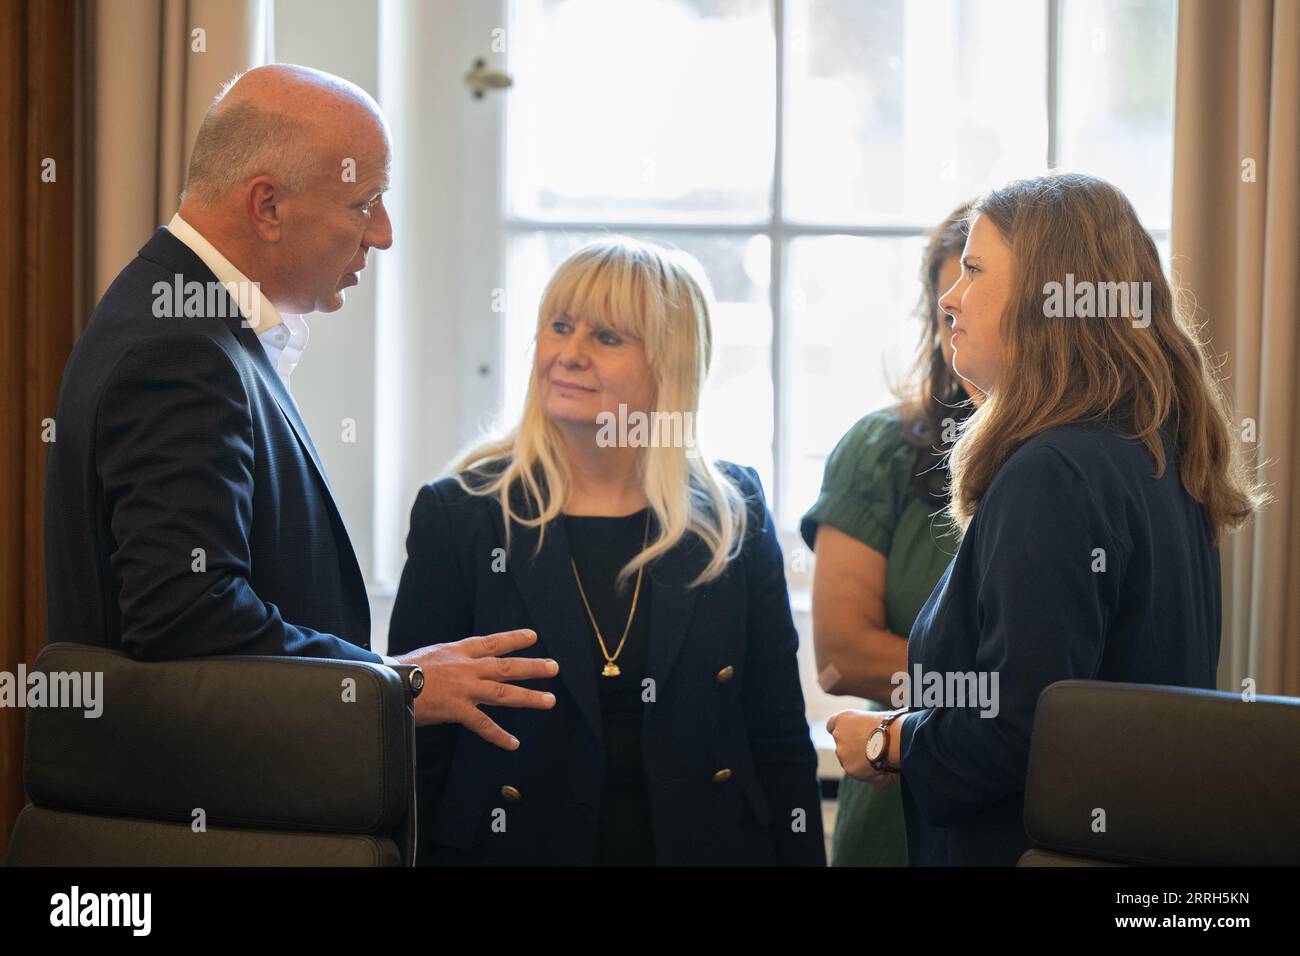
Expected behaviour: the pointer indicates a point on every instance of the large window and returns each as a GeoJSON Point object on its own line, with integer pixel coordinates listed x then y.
{"type": "Point", "coordinates": [801, 150]}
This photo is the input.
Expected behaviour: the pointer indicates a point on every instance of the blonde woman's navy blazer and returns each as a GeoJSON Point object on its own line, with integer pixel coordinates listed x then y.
{"type": "Point", "coordinates": [730, 766]}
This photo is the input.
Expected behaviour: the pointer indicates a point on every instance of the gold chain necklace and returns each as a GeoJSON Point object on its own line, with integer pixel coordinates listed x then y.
{"type": "Point", "coordinates": [611, 669]}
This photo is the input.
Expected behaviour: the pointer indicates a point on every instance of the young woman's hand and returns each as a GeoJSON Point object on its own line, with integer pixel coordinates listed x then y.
{"type": "Point", "coordinates": [851, 730]}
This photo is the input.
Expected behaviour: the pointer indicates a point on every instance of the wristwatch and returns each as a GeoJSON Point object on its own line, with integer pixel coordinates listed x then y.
{"type": "Point", "coordinates": [878, 743]}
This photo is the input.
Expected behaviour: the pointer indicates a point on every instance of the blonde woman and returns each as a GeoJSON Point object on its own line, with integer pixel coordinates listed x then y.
{"type": "Point", "coordinates": [653, 578]}
{"type": "Point", "coordinates": [1093, 485]}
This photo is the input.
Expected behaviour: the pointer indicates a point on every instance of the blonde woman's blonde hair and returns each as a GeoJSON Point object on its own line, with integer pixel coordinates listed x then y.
{"type": "Point", "coordinates": [1062, 370]}
{"type": "Point", "coordinates": [662, 298]}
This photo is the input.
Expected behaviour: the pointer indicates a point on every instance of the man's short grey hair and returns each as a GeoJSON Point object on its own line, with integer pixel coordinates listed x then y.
{"type": "Point", "coordinates": [242, 141]}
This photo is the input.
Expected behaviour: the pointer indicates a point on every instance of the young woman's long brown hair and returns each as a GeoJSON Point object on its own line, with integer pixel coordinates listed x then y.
{"type": "Point", "coordinates": [1058, 370]}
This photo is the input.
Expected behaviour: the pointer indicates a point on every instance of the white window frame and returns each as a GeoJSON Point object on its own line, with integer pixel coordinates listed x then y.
{"type": "Point", "coordinates": [780, 231]}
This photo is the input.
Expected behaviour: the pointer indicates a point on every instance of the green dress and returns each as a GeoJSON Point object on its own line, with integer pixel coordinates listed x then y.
{"type": "Point", "coordinates": [867, 493]}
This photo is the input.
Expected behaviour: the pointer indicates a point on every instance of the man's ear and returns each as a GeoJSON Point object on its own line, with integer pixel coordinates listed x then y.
{"type": "Point", "coordinates": [262, 199]}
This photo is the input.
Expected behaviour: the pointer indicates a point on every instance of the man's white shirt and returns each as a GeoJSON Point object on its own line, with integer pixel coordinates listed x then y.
{"type": "Point", "coordinates": [283, 336]}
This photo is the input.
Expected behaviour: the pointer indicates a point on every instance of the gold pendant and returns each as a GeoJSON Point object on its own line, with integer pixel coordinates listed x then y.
{"type": "Point", "coordinates": [611, 670]}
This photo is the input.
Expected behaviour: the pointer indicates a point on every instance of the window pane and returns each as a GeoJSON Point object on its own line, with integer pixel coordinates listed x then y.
{"type": "Point", "coordinates": [735, 421]}
{"type": "Point", "coordinates": [852, 334]}
{"type": "Point", "coordinates": [642, 110]}
{"type": "Point", "coordinates": [1162, 246]}
{"type": "Point", "coordinates": [1117, 98]}
{"type": "Point", "coordinates": [898, 110]}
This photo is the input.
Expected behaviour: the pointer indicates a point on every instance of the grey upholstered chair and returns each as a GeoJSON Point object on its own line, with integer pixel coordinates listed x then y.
{"type": "Point", "coordinates": [238, 761]}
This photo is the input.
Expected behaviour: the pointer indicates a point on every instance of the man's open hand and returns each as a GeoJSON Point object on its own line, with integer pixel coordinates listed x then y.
{"type": "Point", "coordinates": [461, 676]}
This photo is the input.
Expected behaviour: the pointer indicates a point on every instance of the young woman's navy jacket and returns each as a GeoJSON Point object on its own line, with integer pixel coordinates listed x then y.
{"type": "Point", "coordinates": [1079, 563]}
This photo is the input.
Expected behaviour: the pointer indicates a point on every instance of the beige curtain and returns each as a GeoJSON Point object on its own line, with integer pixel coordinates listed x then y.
{"type": "Point", "coordinates": [1236, 249]}
{"type": "Point", "coordinates": [150, 78]}
{"type": "Point", "coordinates": [37, 42]}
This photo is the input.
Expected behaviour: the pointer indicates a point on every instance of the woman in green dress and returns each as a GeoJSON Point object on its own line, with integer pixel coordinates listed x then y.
{"type": "Point", "coordinates": [882, 543]}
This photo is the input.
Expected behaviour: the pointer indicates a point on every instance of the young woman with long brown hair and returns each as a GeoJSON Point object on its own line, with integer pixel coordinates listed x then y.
{"type": "Point", "coordinates": [1093, 486]}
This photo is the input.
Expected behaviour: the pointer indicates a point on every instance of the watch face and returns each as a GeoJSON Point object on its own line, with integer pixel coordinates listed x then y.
{"type": "Point", "coordinates": [875, 745]}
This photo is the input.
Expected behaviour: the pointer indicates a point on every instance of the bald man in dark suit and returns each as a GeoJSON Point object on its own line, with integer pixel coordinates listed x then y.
{"type": "Point", "coordinates": [186, 510]}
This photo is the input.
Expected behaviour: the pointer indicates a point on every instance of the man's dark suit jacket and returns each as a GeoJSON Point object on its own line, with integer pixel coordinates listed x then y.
{"type": "Point", "coordinates": [174, 435]}
{"type": "Point", "coordinates": [730, 766]}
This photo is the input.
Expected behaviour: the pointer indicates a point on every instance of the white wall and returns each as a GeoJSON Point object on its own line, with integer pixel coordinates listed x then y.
{"type": "Point", "coordinates": [335, 379]}
{"type": "Point", "coordinates": [422, 314]}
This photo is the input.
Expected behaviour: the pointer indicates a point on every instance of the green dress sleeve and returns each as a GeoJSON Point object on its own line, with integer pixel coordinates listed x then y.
{"type": "Point", "coordinates": [866, 483]}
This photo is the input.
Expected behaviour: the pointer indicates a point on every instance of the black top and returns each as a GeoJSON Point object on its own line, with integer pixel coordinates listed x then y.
{"type": "Point", "coordinates": [1079, 563]}
{"type": "Point", "coordinates": [600, 547]}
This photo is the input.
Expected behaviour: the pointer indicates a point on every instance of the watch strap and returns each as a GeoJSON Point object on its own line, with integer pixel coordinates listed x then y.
{"type": "Point", "coordinates": [882, 764]}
